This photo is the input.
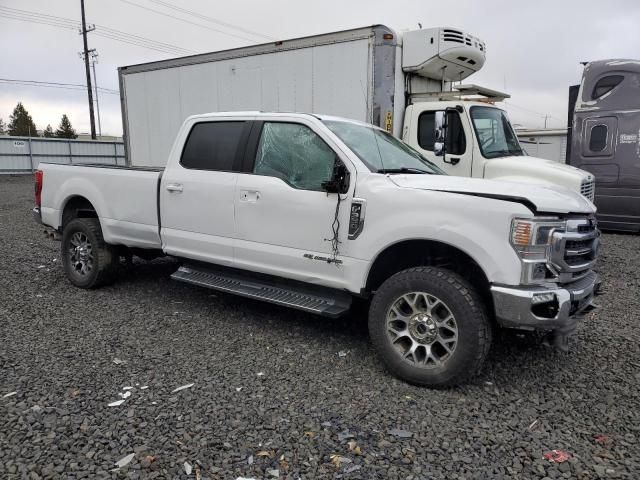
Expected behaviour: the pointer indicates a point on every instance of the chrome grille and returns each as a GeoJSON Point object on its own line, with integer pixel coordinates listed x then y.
{"type": "Point", "coordinates": [574, 251]}
{"type": "Point", "coordinates": [587, 188]}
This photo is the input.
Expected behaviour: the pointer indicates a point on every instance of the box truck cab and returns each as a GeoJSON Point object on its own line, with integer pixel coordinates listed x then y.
{"type": "Point", "coordinates": [403, 83]}
{"type": "Point", "coordinates": [475, 139]}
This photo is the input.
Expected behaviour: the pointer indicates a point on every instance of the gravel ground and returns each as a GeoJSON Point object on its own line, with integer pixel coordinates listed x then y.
{"type": "Point", "coordinates": [272, 396]}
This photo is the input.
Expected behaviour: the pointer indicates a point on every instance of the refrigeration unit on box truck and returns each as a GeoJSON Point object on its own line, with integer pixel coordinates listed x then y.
{"type": "Point", "coordinates": [401, 83]}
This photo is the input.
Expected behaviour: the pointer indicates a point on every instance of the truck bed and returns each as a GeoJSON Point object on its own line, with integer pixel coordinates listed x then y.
{"type": "Point", "coordinates": [125, 199]}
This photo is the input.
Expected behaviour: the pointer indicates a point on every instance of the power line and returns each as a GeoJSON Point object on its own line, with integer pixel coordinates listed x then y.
{"type": "Point", "coordinates": [106, 32]}
{"type": "Point", "coordinates": [121, 38]}
{"type": "Point", "coordinates": [101, 34]}
{"type": "Point", "coordinates": [211, 19]}
{"type": "Point", "coordinates": [143, 39]}
{"type": "Point", "coordinates": [78, 87]}
{"type": "Point", "coordinates": [38, 82]}
{"type": "Point", "coordinates": [188, 21]}
{"type": "Point", "coordinates": [35, 20]}
{"type": "Point", "coordinates": [17, 11]}
{"type": "Point", "coordinates": [532, 111]}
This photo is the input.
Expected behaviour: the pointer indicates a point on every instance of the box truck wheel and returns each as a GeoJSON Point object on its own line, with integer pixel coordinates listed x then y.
{"type": "Point", "coordinates": [88, 261]}
{"type": "Point", "coordinates": [430, 327]}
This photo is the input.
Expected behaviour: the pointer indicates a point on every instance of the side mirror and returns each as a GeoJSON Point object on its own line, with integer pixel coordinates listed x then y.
{"type": "Point", "coordinates": [438, 149]}
{"type": "Point", "coordinates": [339, 182]}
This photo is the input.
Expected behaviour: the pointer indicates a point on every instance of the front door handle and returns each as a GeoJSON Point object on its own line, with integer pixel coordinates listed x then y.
{"type": "Point", "coordinates": [174, 187]}
{"type": "Point", "coordinates": [452, 161]}
{"type": "Point", "coordinates": [250, 196]}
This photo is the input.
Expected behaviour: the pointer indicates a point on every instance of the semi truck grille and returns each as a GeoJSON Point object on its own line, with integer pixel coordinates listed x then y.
{"type": "Point", "coordinates": [574, 251]}
{"type": "Point", "coordinates": [588, 189]}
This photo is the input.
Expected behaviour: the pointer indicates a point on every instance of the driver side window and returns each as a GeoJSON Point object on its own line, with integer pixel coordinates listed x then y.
{"type": "Point", "coordinates": [295, 154]}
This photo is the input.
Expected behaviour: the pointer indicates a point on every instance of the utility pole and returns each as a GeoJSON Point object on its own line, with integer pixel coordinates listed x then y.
{"type": "Point", "coordinates": [87, 71]}
{"type": "Point", "coordinates": [94, 60]}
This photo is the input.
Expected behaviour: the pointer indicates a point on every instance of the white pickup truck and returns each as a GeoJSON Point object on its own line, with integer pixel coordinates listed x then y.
{"type": "Point", "coordinates": [312, 211]}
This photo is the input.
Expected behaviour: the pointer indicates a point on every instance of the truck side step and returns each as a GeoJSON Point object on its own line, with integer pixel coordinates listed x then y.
{"type": "Point", "coordinates": [320, 300]}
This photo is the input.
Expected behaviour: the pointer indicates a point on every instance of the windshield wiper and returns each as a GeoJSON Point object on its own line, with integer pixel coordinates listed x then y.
{"type": "Point", "coordinates": [403, 170]}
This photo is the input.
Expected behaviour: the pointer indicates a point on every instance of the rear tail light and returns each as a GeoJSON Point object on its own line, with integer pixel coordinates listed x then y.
{"type": "Point", "coordinates": [39, 176]}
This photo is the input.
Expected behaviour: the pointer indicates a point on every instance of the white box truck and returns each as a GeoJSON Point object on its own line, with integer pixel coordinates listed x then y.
{"type": "Point", "coordinates": [401, 83]}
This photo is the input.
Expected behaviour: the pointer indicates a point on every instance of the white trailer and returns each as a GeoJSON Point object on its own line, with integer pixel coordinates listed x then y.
{"type": "Point", "coordinates": [401, 83]}
{"type": "Point", "coordinates": [355, 74]}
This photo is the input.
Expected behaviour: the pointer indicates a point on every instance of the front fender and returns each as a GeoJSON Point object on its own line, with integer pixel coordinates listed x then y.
{"type": "Point", "coordinates": [479, 227]}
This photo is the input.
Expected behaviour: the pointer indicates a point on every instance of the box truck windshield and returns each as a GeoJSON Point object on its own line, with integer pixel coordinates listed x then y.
{"type": "Point", "coordinates": [495, 135]}
{"type": "Point", "coordinates": [381, 151]}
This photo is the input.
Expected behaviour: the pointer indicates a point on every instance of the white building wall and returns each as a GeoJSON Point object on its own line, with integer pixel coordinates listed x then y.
{"type": "Point", "coordinates": [550, 144]}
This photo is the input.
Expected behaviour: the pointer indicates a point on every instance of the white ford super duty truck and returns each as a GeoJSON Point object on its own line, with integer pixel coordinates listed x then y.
{"type": "Point", "coordinates": [312, 212]}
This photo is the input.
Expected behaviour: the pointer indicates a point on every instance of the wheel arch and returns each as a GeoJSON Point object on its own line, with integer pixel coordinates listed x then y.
{"type": "Point", "coordinates": [77, 206]}
{"type": "Point", "coordinates": [424, 252]}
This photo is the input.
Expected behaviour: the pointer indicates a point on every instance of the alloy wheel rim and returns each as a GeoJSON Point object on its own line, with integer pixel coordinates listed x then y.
{"type": "Point", "coordinates": [80, 254]}
{"type": "Point", "coordinates": [422, 329]}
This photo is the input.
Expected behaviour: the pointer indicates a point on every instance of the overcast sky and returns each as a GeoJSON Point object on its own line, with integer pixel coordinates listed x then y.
{"type": "Point", "coordinates": [533, 48]}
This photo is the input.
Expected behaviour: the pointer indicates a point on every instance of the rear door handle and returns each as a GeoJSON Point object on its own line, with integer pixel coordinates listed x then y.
{"type": "Point", "coordinates": [174, 187]}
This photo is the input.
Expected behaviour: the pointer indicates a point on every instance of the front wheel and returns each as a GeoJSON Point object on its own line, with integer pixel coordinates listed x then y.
{"type": "Point", "coordinates": [430, 327]}
{"type": "Point", "coordinates": [88, 261]}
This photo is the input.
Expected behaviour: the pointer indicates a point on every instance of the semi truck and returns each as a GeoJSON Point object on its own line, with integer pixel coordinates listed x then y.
{"type": "Point", "coordinates": [313, 212]}
{"type": "Point", "coordinates": [409, 84]}
{"type": "Point", "coordinates": [604, 138]}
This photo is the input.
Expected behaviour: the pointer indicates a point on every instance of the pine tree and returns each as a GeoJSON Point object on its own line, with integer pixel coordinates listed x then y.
{"type": "Point", "coordinates": [1, 127]}
{"type": "Point", "coordinates": [21, 123]}
{"type": "Point", "coordinates": [48, 132]}
{"type": "Point", "coordinates": [65, 130]}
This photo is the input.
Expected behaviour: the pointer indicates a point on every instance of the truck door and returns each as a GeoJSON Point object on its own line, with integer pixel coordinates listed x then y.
{"type": "Point", "coordinates": [197, 192]}
{"type": "Point", "coordinates": [445, 144]}
{"type": "Point", "coordinates": [611, 151]}
{"type": "Point", "coordinates": [596, 154]}
{"type": "Point", "coordinates": [285, 219]}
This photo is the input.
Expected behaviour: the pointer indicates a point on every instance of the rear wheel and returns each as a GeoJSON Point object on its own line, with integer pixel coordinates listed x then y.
{"type": "Point", "coordinates": [430, 327]}
{"type": "Point", "coordinates": [88, 261]}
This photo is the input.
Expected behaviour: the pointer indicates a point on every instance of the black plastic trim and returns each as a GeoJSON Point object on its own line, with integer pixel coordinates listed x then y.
{"type": "Point", "coordinates": [507, 198]}
{"type": "Point", "coordinates": [102, 165]}
{"type": "Point", "coordinates": [251, 149]}
{"type": "Point", "coordinates": [158, 206]}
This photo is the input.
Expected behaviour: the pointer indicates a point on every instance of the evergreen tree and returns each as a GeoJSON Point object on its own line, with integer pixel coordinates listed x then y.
{"type": "Point", "coordinates": [21, 123]}
{"type": "Point", "coordinates": [65, 130]}
{"type": "Point", "coordinates": [48, 132]}
{"type": "Point", "coordinates": [1, 127]}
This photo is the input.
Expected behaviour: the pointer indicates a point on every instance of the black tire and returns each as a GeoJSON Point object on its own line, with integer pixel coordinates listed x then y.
{"type": "Point", "coordinates": [469, 318]}
{"type": "Point", "coordinates": [103, 257]}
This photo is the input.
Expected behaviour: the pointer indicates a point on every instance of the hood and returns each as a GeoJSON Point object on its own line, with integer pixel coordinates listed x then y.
{"type": "Point", "coordinates": [551, 199]}
{"type": "Point", "coordinates": [525, 169]}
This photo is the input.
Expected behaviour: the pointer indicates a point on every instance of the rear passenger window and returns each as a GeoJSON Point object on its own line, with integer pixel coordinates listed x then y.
{"type": "Point", "coordinates": [598, 140]}
{"type": "Point", "coordinates": [212, 146]}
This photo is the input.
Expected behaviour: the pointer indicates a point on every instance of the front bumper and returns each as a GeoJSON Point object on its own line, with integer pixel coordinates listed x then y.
{"type": "Point", "coordinates": [515, 307]}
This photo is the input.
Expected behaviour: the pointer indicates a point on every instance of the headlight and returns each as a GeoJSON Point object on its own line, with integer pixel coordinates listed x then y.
{"type": "Point", "coordinates": [531, 239]}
